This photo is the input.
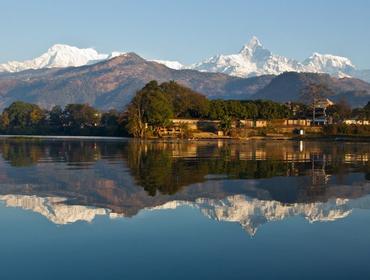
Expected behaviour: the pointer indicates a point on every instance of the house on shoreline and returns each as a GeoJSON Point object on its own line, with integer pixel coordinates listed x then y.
{"type": "Point", "coordinates": [180, 126]}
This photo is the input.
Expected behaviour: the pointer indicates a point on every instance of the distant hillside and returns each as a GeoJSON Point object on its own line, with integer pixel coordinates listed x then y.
{"type": "Point", "coordinates": [112, 83]}
{"type": "Point", "coordinates": [288, 87]}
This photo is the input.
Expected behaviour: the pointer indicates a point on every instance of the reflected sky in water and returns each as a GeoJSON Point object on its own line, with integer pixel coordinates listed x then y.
{"type": "Point", "coordinates": [177, 210]}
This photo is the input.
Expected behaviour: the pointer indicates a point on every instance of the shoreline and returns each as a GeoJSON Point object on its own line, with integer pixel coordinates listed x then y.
{"type": "Point", "coordinates": [62, 137]}
{"type": "Point", "coordinates": [252, 138]}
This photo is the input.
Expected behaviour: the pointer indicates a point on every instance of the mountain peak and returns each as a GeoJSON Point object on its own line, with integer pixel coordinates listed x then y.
{"type": "Point", "coordinates": [63, 48]}
{"type": "Point", "coordinates": [251, 46]}
{"type": "Point", "coordinates": [254, 43]}
{"type": "Point", "coordinates": [58, 47]}
{"type": "Point", "coordinates": [254, 60]}
{"type": "Point", "coordinates": [331, 64]}
{"type": "Point", "coordinates": [327, 57]}
{"type": "Point", "coordinates": [58, 56]}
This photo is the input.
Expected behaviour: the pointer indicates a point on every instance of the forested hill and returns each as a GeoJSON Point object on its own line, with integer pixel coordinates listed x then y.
{"type": "Point", "coordinates": [113, 83]}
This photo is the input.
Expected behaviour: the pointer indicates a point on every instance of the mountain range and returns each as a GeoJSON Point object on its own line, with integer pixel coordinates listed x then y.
{"type": "Point", "coordinates": [252, 60]}
{"type": "Point", "coordinates": [67, 74]}
{"type": "Point", "coordinates": [112, 83]}
{"type": "Point", "coordinates": [59, 56]}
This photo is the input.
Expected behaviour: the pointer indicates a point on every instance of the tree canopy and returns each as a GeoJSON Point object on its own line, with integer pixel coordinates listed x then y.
{"type": "Point", "coordinates": [155, 105]}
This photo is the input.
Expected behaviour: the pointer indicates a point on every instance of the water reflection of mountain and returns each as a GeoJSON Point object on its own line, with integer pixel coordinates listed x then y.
{"type": "Point", "coordinates": [125, 177]}
{"type": "Point", "coordinates": [250, 213]}
{"type": "Point", "coordinates": [53, 208]}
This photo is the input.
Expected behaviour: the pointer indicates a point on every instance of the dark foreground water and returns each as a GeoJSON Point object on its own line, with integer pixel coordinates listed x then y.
{"type": "Point", "coordinates": [98, 209]}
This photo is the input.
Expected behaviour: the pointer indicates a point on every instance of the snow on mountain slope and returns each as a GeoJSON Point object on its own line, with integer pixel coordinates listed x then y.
{"type": "Point", "coordinates": [58, 56]}
{"type": "Point", "coordinates": [171, 64]}
{"type": "Point", "coordinates": [326, 63]}
{"type": "Point", "coordinates": [53, 208]}
{"type": "Point", "coordinates": [254, 60]}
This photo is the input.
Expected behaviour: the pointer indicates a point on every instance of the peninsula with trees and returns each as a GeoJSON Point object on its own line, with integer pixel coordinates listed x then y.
{"type": "Point", "coordinates": [169, 109]}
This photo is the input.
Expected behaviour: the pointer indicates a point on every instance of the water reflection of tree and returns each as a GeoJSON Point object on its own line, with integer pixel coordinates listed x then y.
{"type": "Point", "coordinates": [166, 168]}
{"type": "Point", "coordinates": [21, 154]}
{"type": "Point", "coordinates": [28, 152]}
{"type": "Point", "coordinates": [155, 169]}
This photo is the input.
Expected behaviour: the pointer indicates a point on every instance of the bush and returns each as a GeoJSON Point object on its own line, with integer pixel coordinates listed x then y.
{"type": "Point", "coordinates": [344, 129]}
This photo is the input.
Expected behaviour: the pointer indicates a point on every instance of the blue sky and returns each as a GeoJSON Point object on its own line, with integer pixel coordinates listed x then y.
{"type": "Point", "coordinates": [187, 30]}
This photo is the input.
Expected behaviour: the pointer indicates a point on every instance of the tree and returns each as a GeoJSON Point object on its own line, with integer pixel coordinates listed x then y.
{"type": "Point", "coordinates": [110, 118]}
{"type": "Point", "coordinates": [225, 124]}
{"type": "Point", "coordinates": [135, 115]}
{"type": "Point", "coordinates": [217, 109]}
{"type": "Point", "coordinates": [36, 116]}
{"type": "Point", "coordinates": [23, 115]}
{"type": "Point", "coordinates": [4, 121]}
{"type": "Point", "coordinates": [158, 109]}
{"type": "Point", "coordinates": [366, 110]}
{"type": "Point", "coordinates": [77, 116]}
{"type": "Point", "coordinates": [313, 93]}
{"type": "Point", "coordinates": [186, 103]}
{"type": "Point", "coordinates": [150, 106]}
{"type": "Point", "coordinates": [56, 117]}
{"type": "Point", "coordinates": [340, 111]}
{"type": "Point", "coordinates": [251, 110]}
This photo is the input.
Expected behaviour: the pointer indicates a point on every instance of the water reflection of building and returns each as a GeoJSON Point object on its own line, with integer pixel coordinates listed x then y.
{"type": "Point", "coordinates": [319, 177]}
{"type": "Point", "coordinates": [360, 158]}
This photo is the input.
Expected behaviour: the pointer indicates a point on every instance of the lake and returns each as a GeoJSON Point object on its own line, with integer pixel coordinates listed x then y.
{"type": "Point", "coordinates": [128, 209]}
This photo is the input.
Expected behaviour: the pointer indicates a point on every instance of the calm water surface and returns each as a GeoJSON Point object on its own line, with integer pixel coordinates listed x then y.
{"type": "Point", "coordinates": [98, 209]}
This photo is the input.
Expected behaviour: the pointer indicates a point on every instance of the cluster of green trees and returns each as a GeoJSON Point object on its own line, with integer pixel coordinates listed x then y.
{"type": "Point", "coordinates": [248, 109]}
{"type": "Point", "coordinates": [154, 106]}
{"type": "Point", "coordinates": [74, 119]}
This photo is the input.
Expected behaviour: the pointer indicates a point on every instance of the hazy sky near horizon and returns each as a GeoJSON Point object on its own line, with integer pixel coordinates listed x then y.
{"type": "Point", "coordinates": [187, 30]}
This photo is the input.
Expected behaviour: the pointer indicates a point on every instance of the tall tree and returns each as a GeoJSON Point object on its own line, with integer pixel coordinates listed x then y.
{"type": "Point", "coordinates": [149, 107]}
{"type": "Point", "coordinates": [186, 103]}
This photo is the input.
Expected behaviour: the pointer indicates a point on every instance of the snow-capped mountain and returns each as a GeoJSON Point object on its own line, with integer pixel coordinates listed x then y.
{"type": "Point", "coordinates": [59, 56]}
{"type": "Point", "coordinates": [254, 60]}
{"type": "Point", "coordinates": [171, 64]}
{"type": "Point", "coordinates": [331, 64]}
